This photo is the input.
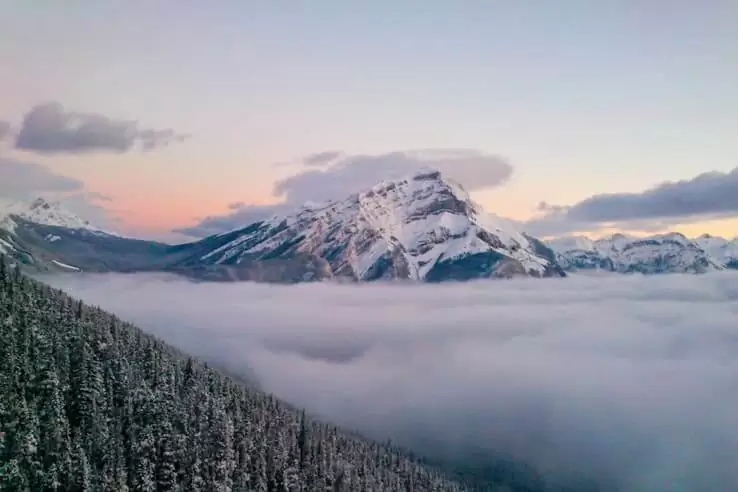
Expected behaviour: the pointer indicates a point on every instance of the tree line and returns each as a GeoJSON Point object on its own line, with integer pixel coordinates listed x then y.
{"type": "Point", "coordinates": [91, 403]}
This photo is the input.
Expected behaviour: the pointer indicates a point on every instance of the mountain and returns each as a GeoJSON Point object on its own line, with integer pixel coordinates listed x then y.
{"type": "Point", "coordinates": [43, 236]}
{"type": "Point", "coordinates": [422, 228]}
{"type": "Point", "coordinates": [662, 253]}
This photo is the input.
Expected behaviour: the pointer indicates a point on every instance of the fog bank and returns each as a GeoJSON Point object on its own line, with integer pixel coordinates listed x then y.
{"type": "Point", "coordinates": [624, 382]}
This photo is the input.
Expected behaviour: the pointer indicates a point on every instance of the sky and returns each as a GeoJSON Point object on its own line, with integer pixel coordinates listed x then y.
{"type": "Point", "coordinates": [466, 372]}
{"type": "Point", "coordinates": [173, 116]}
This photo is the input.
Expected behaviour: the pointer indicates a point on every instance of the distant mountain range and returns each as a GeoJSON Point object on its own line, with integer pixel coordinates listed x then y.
{"type": "Point", "coordinates": [662, 253]}
{"type": "Point", "coordinates": [421, 228]}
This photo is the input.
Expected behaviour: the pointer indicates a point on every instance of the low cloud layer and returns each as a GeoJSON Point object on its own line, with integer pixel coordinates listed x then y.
{"type": "Point", "coordinates": [333, 175]}
{"type": "Point", "coordinates": [622, 382]}
{"type": "Point", "coordinates": [49, 128]}
{"type": "Point", "coordinates": [709, 195]}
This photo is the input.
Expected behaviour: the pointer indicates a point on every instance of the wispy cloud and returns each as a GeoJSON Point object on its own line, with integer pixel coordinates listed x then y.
{"type": "Point", "coordinates": [553, 373]}
{"type": "Point", "coordinates": [334, 175]}
{"type": "Point", "coordinates": [322, 158]}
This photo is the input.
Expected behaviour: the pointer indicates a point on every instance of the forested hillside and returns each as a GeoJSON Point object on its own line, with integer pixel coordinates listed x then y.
{"type": "Point", "coordinates": [89, 402]}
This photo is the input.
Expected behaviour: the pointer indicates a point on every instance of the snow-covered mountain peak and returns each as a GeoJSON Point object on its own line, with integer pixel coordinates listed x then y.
{"type": "Point", "coordinates": [40, 203]}
{"type": "Point", "coordinates": [412, 227]}
{"type": "Point", "coordinates": [571, 243]}
{"type": "Point", "coordinates": [723, 250]}
{"type": "Point", "coordinates": [40, 211]}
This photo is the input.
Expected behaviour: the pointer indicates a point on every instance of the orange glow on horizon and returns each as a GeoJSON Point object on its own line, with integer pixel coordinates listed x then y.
{"type": "Point", "coordinates": [162, 215]}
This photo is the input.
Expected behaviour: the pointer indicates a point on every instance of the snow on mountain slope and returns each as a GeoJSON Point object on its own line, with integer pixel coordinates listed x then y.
{"type": "Point", "coordinates": [663, 253]}
{"type": "Point", "coordinates": [43, 236]}
{"type": "Point", "coordinates": [42, 212]}
{"type": "Point", "coordinates": [5, 247]}
{"type": "Point", "coordinates": [423, 227]}
{"type": "Point", "coordinates": [65, 266]}
{"type": "Point", "coordinates": [725, 251]}
{"type": "Point", "coordinates": [572, 243]}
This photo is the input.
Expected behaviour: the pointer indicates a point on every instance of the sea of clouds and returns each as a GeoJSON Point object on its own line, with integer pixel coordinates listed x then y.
{"type": "Point", "coordinates": [620, 382]}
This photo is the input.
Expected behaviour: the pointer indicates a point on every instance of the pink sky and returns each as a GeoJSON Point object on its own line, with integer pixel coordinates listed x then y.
{"type": "Point", "coordinates": [582, 99]}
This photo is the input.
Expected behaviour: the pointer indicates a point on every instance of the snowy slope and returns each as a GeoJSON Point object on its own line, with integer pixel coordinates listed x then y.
{"type": "Point", "coordinates": [42, 212]}
{"type": "Point", "coordinates": [423, 227]}
{"type": "Point", "coordinates": [724, 251]}
{"type": "Point", "coordinates": [6, 247]}
{"type": "Point", "coordinates": [663, 253]}
{"type": "Point", "coordinates": [43, 236]}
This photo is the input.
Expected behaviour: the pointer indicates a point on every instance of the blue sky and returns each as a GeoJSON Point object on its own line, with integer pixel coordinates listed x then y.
{"type": "Point", "coordinates": [581, 98]}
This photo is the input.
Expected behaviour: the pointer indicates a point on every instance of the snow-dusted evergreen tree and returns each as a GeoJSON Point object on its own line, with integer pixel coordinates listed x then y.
{"type": "Point", "coordinates": [88, 402]}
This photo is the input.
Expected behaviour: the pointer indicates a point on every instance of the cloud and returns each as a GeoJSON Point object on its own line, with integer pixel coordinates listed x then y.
{"type": "Point", "coordinates": [709, 195]}
{"type": "Point", "coordinates": [49, 128]}
{"type": "Point", "coordinates": [349, 174]}
{"type": "Point", "coordinates": [322, 158]}
{"type": "Point", "coordinates": [22, 180]}
{"type": "Point", "coordinates": [4, 130]}
{"type": "Point", "coordinates": [88, 206]}
{"type": "Point", "coordinates": [95, 195]}
{"type": "Point", "coordinates": [238, 217]}
{"type": "Point", "coordinates": [617, 383]}
{"type": "Point", "coordinates": [339, 175]}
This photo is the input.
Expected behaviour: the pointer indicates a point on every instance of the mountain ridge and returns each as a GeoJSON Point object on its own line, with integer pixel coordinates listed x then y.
{"type": "Point", "coordinates": [423, 227]}
{"type": "Point", "coordinates": [670, 252]}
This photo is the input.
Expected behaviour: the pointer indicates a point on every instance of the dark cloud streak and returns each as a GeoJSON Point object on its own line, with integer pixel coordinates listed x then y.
{"type": "Point", "coordinates": [709, 195]}
{"type": "Point", "coordinates": [49, 128]}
